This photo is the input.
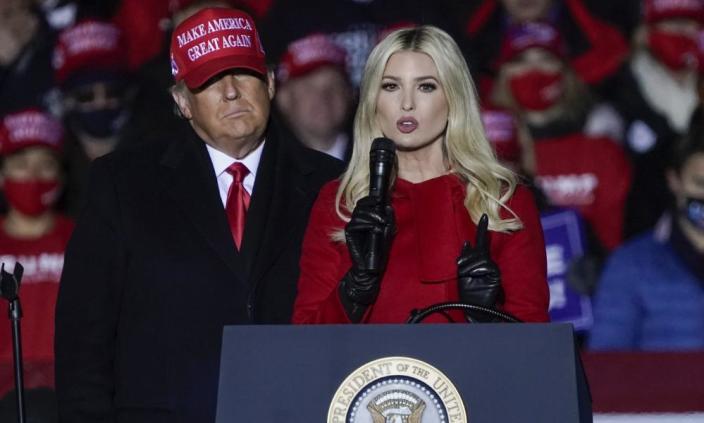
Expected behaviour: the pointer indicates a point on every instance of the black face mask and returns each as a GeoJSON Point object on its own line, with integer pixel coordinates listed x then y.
{"type": "Point", "coordinates": [101, 123]}
{"type": "Point", "coordinates": [694, 212]}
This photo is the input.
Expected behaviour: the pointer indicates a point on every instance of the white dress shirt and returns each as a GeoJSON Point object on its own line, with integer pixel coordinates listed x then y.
{"type": "Point", "coordinates": [222, 161]}
{"type": "Point", "coordinates": [339, 147]}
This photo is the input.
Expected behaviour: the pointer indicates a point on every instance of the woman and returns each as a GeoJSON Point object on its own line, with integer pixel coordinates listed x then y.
{"type": "Point", "coordinates": [417, 91]}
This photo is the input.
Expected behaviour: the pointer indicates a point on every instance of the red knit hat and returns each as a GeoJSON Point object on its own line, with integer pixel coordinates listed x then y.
{"type": "Point", "coordinates": [520, 37]}
{"type": "Point", "coordinates": [500, 130]}
{"type": "Point", "coordinates": [657, 10]}
{"type": "Point", "coordinates": [308, 54]}
{"type": "Point", "coordinates": [214, 40]}
{"type": "Point", "coordinates": [28, 128]}
{"type": "Point", "coordinates": [90, 46]}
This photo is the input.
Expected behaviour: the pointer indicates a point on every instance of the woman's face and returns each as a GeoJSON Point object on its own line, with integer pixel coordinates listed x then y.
{"type": "Point", "coordinates": [411, 107]}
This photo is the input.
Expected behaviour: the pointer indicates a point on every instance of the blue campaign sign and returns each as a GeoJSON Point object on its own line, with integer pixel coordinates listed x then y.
{"type": "Point", "coordinates": [564, 241]}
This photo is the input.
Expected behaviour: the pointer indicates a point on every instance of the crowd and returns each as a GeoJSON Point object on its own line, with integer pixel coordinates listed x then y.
{"type": "Point", "coordinates": [595, 105]}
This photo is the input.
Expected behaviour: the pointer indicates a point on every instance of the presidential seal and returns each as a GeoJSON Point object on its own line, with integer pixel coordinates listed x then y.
{"type": "Point", "coordinates": [397, 390]}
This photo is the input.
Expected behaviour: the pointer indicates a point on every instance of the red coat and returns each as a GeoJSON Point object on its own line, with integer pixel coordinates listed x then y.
{"type": "Point", "coordinates": [422, 266]}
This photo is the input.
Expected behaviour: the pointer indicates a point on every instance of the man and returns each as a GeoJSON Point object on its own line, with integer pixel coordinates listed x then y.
{"type": "Point", "coordinates": [161, 259]}
{"type": "Point", "coordinates": [315, 95]}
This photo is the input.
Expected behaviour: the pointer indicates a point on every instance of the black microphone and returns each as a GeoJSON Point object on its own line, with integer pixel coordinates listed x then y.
{"type": "Point", "coordinates": [382, 157]}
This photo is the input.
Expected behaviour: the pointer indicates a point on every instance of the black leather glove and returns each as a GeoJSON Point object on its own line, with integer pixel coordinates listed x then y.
{"type": "Point", "coordinates": [368, 235]}
{"type": "Point", "coordinates": [478, 277]}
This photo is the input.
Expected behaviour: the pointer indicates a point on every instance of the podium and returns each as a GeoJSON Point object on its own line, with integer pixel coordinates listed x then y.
{"type": "Point", "coordinates": [479, 373]}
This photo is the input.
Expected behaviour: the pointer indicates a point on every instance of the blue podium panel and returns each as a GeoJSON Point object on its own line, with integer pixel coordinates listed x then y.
{"type": "Point", "coordinates": [501, 373]}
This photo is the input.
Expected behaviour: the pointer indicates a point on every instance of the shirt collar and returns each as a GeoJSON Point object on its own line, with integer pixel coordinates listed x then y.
{"type": "Point", "coordinates": [339, 147]}
{"type": "Point", "coordinates": [222, 161]}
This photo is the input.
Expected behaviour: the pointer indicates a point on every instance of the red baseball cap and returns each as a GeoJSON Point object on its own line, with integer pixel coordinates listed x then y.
{"type": "Point", "coordinates": [214, 40]}
{"type": "Point", "coordinates": [657, 10]}
{"type": "Point", "coordinates": [29, 128]}
{"type": "Point", "coordinates": [521, 37]}
{"type": "Point", "coordinates": [89, 46]}
{"type": "Point", "coordinates": [500, 130]}
{"type": "Point", "coordinates": [308, 54]}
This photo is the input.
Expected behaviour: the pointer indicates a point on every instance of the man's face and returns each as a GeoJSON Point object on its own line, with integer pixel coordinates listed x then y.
{"type": "Point", "coordinates": [316, 105]}
{"type": "Point", "coordinates": [230, 111]}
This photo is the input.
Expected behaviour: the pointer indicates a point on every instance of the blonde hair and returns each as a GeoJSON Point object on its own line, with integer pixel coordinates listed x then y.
{"type": "Point", "coordinates": [467, 151]}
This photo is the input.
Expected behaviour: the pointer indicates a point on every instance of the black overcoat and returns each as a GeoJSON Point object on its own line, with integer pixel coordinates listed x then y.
{"type": "Point", "coordinates": [152, 275]}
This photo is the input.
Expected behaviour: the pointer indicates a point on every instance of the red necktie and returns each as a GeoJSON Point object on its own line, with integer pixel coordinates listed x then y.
{"type": "Point", "coordinates": [237, 201]}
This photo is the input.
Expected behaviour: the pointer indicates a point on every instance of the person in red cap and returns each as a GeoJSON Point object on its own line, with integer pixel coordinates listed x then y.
{"type": "Point", "coordinates": [315, 95]}
{"type": "Point", "coordinates": [33, 234]}
{"type": "Point", "coordinates": [656, 93]}
{"type": "Point", "coordinates": [182, 236]}
{"type": "Point", "coordinates": [90, 69]}
{"type": "Point", "coordinates": [596, 49]}
{"type": "Point", "coordinates": [572, 167]}
{"type": "Point", "coordinates": [97, 95]}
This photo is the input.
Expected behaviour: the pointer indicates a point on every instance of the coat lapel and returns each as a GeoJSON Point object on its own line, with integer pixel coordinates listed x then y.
{"type": "Point", "coordinates": [188, 178]}
{"type": "Point", "coordinates": [279, 204]}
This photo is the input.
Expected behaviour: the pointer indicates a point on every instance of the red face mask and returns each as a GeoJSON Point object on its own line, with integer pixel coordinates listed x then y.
{"type": "Point", "coordinates": [676, 51]}
{"type": "Point", "coordinates": [32, 197]}
{"type": "Point", "coordinates": [537, 90]}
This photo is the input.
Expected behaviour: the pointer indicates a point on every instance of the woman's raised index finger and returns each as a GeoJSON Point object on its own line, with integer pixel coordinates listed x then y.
{"type": "Point", "coordinates": [482, 243]}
